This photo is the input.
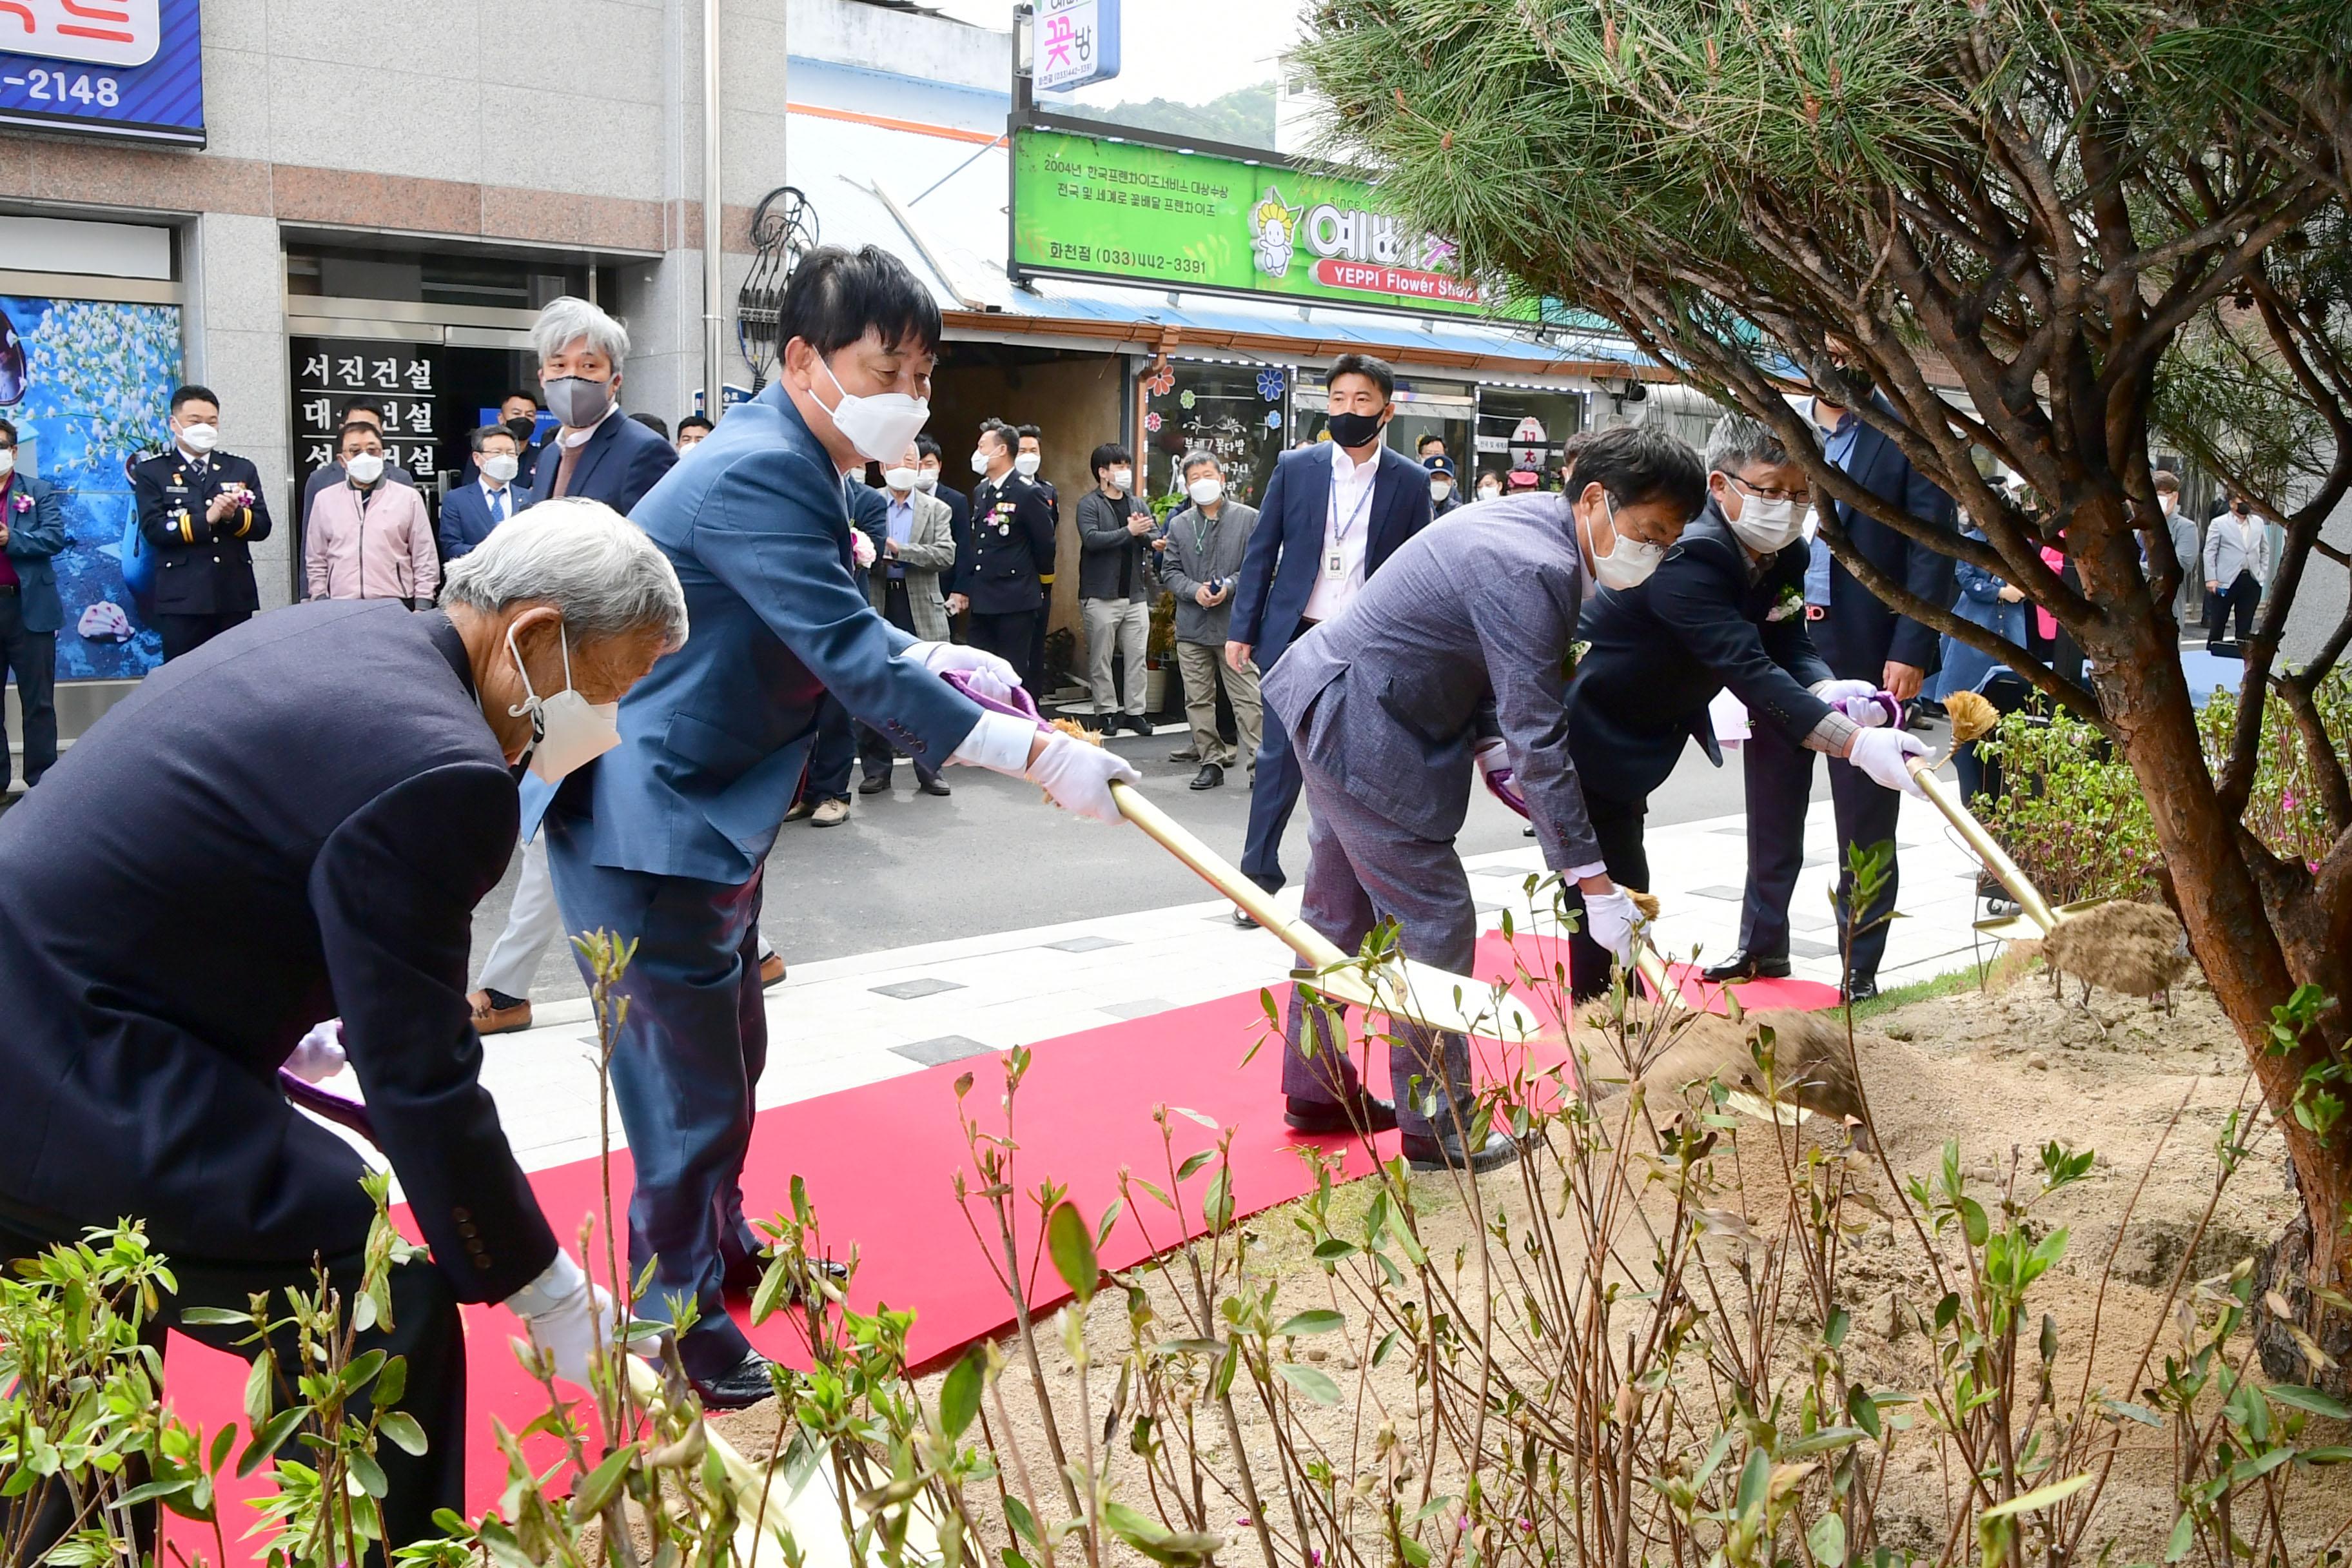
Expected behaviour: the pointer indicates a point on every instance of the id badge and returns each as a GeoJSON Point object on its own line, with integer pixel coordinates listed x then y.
{"type": "Point", "coordinates": [1335, 565]}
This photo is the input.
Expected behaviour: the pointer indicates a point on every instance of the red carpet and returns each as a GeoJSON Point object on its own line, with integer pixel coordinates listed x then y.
{"type": "Point", "coordinates": [879, 1162]}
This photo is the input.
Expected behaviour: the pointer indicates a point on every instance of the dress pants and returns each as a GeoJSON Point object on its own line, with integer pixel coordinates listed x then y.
{"type": "Point", "coordinates": [873, 752]}
{"type": "Point", "coordinates": [689, 1060]}
{"type": "Point", "coordinates": [425, 1329]}
{"type": "Point", "coordinates": [1115, 627]}
{"type": "Point", "coordinates": [833, 755]}
{"type": "Point", "coordinates": [1618, 824]}
{"type": "Point", "coordinates": [185, 634]}
{"type": "Point", "coordinates": [532, 922]}
{"type": "Point", "coordinates": [1779, 778]}
{"type": "Point", "coordinates": [1362, 868]}
{"type": "Point", "coordinates": [2239, 597]}
{"type": "Point", "coordinates": [32, 658]}
{"type": "Point", "coordinates": [1273, 796]}
{"type": "Point", "coordinates": [1011, 637]}
{"type": "Point", "coordinates": [1203, 665]}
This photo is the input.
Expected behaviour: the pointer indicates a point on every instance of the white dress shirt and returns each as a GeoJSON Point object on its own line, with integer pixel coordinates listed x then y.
{"type": "Point", "coordinates": [1347, 524]}
{"type": "Point", "coordinates": [499, 498]}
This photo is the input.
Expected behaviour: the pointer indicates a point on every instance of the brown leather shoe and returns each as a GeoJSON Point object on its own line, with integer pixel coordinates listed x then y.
{"type": "Point", "coordinates": [771, 970]}
{"type": "Point", "coordinates": [495, 1020]}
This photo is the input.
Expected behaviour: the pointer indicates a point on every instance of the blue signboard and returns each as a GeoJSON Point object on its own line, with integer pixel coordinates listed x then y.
{"type": "Point", "coordinates": [129, 68]}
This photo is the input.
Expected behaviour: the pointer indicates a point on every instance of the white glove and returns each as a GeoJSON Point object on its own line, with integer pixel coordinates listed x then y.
{"type": "Point", "coordinates": [1491, 754]}
{"type": "Point", "coordinates": [1832, 691]}
{"type": "Point", "coordinates": [319, 1055]}
{"type": "Point", "coordinates": [1858, 700]}
{"type": "Point", "coordinates": [993, 676]}
{"type": "Point", "coordinates": [1079, 775]}
{"type": "Point", "coordinates": [1881, 754]}
{"type": "Point", "coordinates": [567, 1315]}
{"type": "Point", "coordinates": [1613, 920]}
{"type": "Point", "coordinates": [861, 549]}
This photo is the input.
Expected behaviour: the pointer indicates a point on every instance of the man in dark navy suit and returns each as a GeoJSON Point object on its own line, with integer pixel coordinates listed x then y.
{"type": "Point", "coordinates": [1862, 640]}
{"type": "Point", "coordinates": [1724, 609]}
{"type": "Point", "coordinates": [32, 533]}
{"type": "Point", "coordinates": [199, 509]}
{"type": "Point", "coordinates": [1332, 514]}
{"type": "Point", "coordinates": [493, 496]}
{"type": "Point", "coordinates": [294, 821]}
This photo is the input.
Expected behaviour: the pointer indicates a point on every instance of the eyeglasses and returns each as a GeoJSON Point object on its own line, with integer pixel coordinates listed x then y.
{"type": "Point", "coordinates": [1760, 494]}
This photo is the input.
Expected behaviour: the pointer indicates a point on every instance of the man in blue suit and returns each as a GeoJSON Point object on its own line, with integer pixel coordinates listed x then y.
{"type": "Point", "coordinates": [665, 838]}
{"type": "Point", "coordinates": [602, 454]}
{"type": "Point", "coordinates": [1332, 514]}
{"type": "Point", "coordinates": [32, 532]}
{"type": "Point", "coordinates": [1861, 639]}
{"type": "Point", "coordinates": [489, 499]}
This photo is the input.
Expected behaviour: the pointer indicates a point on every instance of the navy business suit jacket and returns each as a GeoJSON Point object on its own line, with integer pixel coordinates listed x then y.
{"type": "Point", "coordinates": [466, 519]}
{"type": "Point", "coordinates": [1860, 634]}
{"type": "Point", "coordinates": [291, 822]}
{"type": "Point", "coordinates": [34, 538]}
{"type": "Point", "coordinates": [1278, 575]}
{"type": "Point", "coordinates": [620, 461]}
{"type": "Point", "coordinates": [1659, 651]}
{"type": "Point", "coordinates": [714, 740]}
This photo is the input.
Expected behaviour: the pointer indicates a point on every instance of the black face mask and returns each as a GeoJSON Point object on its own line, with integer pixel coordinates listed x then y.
{"type": "Point", "coordinates": [1353, 430]}
{"type": "Point", "coordinates": [522, 427]}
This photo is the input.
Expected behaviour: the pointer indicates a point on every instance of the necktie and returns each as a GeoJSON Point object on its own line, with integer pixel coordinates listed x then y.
{"type": "Point", "coordinates": [498, 506]}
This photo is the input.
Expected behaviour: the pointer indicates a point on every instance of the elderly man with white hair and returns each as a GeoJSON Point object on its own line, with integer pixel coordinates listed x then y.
{"type": "Point", "coordinates": [604, 456]}
{"type": "Point", "coordinates": [294, 821]}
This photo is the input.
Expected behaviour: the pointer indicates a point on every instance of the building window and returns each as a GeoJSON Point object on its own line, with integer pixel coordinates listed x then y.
{"type": "Point", "coordinates": [1523, 429]}
{"type": "Point", "coordinates": [1240, 412]}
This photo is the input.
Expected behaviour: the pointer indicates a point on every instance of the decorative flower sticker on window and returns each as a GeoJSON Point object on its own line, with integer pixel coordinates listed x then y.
{"type": "Point", "coordinates": [1270, 383]}
{"type": "Point", "coordinates": [1152, 423]}
{"type": "Point", "coordinates": [1274, 418]}
{"type": "Point", "coordinates": [1159, 385]}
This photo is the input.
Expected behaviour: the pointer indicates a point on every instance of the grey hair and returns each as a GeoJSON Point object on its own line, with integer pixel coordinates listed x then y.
{"type": "Point", "coordinates": [567, 319]}
{"type": "Point", "coordinates": [601, 571]}
{"type": "Point", "coordinates": [1737, 441]}
{"type": "Point", "coordinates": [1200, 454]}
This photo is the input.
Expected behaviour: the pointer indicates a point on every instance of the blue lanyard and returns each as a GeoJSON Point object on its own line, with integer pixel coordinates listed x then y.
{"type": "Point", "coordinates": [1339, 531]}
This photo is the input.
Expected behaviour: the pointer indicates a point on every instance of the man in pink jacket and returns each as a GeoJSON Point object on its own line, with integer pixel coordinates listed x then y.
{"type": "Point", "coordinates": [368, 539]}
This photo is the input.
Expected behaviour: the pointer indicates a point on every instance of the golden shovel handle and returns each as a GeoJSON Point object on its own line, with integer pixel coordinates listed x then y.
{"type": "Point", "coordinates": [1996, 859]}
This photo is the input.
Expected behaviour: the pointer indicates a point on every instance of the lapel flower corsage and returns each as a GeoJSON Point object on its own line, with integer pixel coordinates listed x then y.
{"type": "Point", "coordinates": [1576, 652]}
{"type": "Point", "coordinates": [1791, 601]}
{"type": "Point", "coordinates": [24, 503]}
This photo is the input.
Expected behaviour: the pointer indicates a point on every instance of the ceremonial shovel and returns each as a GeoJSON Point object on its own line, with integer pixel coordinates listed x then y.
{"type": "Point", "coordinates": [1396, 987]}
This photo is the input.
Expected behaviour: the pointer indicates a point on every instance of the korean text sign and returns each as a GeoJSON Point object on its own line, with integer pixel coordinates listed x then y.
{"type": "Point", "coordinates": [1088, 206]}
{"type": "Point", "coordinates": [130, 68]}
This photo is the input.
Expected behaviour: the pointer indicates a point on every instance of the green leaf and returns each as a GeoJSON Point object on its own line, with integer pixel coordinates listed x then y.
{"type": "Point", "coordinates": [1834, 1333]}
{"type": "Point", "coordinates": [1822, 1441]}
{"type": "Point", "coordinates": [399, 1428]}
{"type": "Point", "coordinates": [273, 1431]}
{"type": "Point", "coordinates": [775, 1284]}
{"type": "Point", "coordinates": [1016, 1513]}
{"type": "Point", "coordinates": [1386, 1348]}
{"type": "Point", "coordinates": [1192, 1163]}
{"type": "Point", "coordinates": [1973, 1221]}
{"type": "Point", "coordinates": [260, 1393]}
{"type": "Point", "coordinates": [355, 1376]}
{"type": "Point", "coordinates": [2040, 1497]}
{"type": "Point", "coordinates": [390, 1383]}
{"type": "Point", "coordinates": [1754, 1478]}
{"type": "Point", "coordinates": [1109, 1218]}
{"type": "Point", "coordinates": [1416, 1555]}
{"type": "Point", "coordinates": [1333, 1250]}
{"type": "Point", "coordinates": [1314, 1383]}
{"type": "Point", "coordinates": [1072, 1249]}
{"type": "Point", "coordinates": [223, 1441]}
{"type": "Point", "coordinates": [1826, 1540]}
{"type": "Point", "coordinates": [2184, 1533]}
{"type": "Point", "coordinates": [2332, 1454]}
{"type": "Point", "coordinates": [603, 1485]}
{"type": "Point", "coordinates": [1132, 1526]}
{"type": "Point", "coordinates": [960, 1392]}
{"type": "Point", "coordinates": [213, 1318]}
{"type": "Point", "coordinates": [154, 1489]}
{"type": "Point", "coordinates": [2309, 1399]}
{"type": "Point", "coordinates": [1320, 1321]}
{"type": "Point", "coordinates": [1432, 1507]}
{"type": "Point", "coordinates": [368, 1473]}
{"type": "Point", "coordinates": [1861, 1409]}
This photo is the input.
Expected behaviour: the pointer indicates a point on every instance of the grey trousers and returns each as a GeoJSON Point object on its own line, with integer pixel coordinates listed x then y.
{"type": "Point", "coordinates": [1116, 625]}
{"type": "Point", "coordinates": [1362, 868]}
{"type": "Point", "coordinates": [1203, 666]}
{"type": "Point", "coordinates": [532, 922]}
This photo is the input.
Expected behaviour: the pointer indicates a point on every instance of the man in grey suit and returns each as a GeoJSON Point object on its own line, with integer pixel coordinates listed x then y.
{"type": "Point", "coordinates": [1453, 655]}
{"type": "Point", "coordinates": [1200, 554]}
{"type": "Point", "coordinates": [918, 543]}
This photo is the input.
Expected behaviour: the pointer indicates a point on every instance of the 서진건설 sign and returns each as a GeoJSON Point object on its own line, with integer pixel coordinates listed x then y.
{"type": "Point", "coordinates": [128, 68]}
{"type": "Point", "coordinates": [1084, 207]}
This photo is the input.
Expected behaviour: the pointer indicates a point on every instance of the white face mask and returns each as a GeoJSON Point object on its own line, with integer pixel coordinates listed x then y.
{"type": "Point", "coordinates": [878, 426]}
{"type": "Point", "coordinates": [364, 468]}
{"type": "Point", "coordinates": [900, 479]}
{"type": "Point", "coordinates": [927, 480]}
{"type": "Point", "coordinates": [1488, 492]}
{"type": "Point", "coordinates": [980, 464]}
{"type": "Point", "coordinates": [500, 467]}
{"type": "Point", "coordinates": [1027, 464]}
{"type": "Point", "coordinates": [199, 438]}
{"type": "Point", "coordinates": [1629, 562]}
{"type": "Point", "coordinates": [1440, 488]}
{"type": "Point", "coordinates": [7, 461]}
{"type": "Point", "coordinates": [1121, 479]}
{"type": "Point", "coordinates": [568, 732]}
{"type": "Point", "coordinates": [1206, 491]}
{"type": "Point", "coordinates": [1767, 526]}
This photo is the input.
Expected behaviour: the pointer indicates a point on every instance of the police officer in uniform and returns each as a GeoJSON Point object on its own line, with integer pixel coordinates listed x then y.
{"type": "Point", "coordinates": [1006, 554]}
{"type": "Point", "coordinates": [199, 508]}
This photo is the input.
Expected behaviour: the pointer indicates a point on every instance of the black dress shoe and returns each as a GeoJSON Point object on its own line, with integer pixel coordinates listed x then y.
{"type": "Point", "coordinates": [874, 783]}
{"type": "Point", "coordinates": [1745, 965]}
{"type": "Point", "coordinates": [1445, 1150]}
{"type": "Point", "coordinates": [1367, 1114]}
{"type": "Point", "coordinates": [933, 785]}
{"type": "Point", "coordinates": [1859, 987]}
{"type": "Point", "coordinates": [1243, 918]}
{"type": "Point", "coordinates": [1209, 776]}
{"type": "Point", "coordinates": [738, 1388]}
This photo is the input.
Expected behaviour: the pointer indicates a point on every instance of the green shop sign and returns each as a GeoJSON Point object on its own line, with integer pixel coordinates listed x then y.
{"type": "Point", "coordinates": [1084, 207]}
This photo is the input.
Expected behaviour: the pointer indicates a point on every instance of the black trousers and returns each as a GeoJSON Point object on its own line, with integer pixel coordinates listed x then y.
{"type": "Point", "coordinates": [425, 1329]}
{"type": "Point", "coordinates": [1012, 638]}
{"type": "Point", "coordinates": [1618, 824]}
{"type": "Point", "coordinates": [2239, 597]}
{"type": "Point", "coordinates": [873, 752]}
{"type": "Point", "coordinates": [32, 658]}
{"type": "Point", "coordinates": [185, 634]}
{"type": "Point", "coordinates": [1779, 778]}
